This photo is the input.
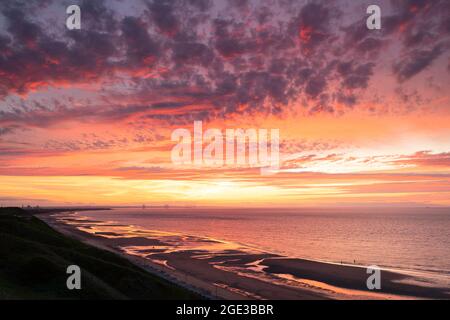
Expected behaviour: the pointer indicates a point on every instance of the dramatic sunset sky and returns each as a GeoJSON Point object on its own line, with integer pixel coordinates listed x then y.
{"type": "Point", "coordinates": [86, 115]}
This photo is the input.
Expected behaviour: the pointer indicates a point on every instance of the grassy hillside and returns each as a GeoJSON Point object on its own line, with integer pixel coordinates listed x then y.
{"type": "Point", "coordinates": [34, 259]}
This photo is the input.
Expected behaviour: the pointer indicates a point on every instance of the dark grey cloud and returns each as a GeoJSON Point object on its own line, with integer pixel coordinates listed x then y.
{"type": "Point", "coordinates": [315, 86]}
{"type": "Point", "coordinates": [312, 24]}
{"type": "Point", "coordinates": [97, 15]}
{"type": "Point", "coordinates": [141, 48]}
{"type": "Point", "coordinates": [347, 99]}
{"type": "Point", "coordinates": [417, 61]}
{"type": "Point", "coordinates": [369, 45]}
{"type": "Point", "coordinates": [241, 56]}
{"type": "Point", "coordinates": [355, 77]}
{"type": "Point", "coordinates": [163, 15]}
{"type": "Point", "coordinates": [6, 130]}
{"type": "Point", "coordinates": [202, 5]}
{"type": "Point", "coordinates": [192, 53]}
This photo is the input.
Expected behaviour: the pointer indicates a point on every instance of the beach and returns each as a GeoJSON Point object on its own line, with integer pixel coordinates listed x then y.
{"type": "Point", "coordinates": [219, 269]}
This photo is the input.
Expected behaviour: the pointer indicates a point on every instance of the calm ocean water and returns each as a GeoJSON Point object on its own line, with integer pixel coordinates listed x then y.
{"type": "Point", "coordinates": [416, 239]}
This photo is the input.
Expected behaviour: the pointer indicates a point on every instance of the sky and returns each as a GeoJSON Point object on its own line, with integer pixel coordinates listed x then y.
{"type": "Point", "coordinates": [86, 116]}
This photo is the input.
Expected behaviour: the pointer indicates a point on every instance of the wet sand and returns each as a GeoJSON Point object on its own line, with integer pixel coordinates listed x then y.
{"type": "Point", "coordinates": [352, 277]}
{"type": "Point", "coordinates": [224, 270]}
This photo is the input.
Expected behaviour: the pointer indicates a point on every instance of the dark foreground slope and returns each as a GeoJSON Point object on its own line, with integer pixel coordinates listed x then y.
{"type": "Point", "coordinates": [34, 259]}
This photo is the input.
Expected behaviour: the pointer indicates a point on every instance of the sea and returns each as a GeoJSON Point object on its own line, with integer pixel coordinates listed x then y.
{"type": "Point", "coordinates": [411, 240]}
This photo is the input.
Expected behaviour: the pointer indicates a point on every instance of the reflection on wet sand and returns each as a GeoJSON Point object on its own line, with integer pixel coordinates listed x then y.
{"type": "Point", "coordinates": [233, 271]}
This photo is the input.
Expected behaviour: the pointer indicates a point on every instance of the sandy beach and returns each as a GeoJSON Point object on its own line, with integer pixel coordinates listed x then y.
{"type": "Point", "coordinates": [222, 270]}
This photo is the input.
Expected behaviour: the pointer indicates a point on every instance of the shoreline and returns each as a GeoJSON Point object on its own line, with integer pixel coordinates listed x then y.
{"type": "Point", "coordinates": [217, 272]}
